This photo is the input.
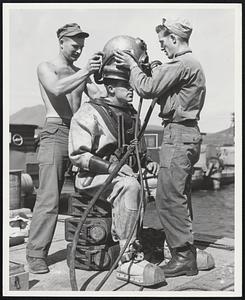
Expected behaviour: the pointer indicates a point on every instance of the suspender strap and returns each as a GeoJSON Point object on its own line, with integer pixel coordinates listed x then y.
{"type": "Point", "coordinates": [107, 114]}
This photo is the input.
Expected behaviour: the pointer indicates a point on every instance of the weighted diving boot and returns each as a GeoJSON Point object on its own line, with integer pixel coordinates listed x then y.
{"type": "Point", "coordinates": [183, 262]}
{"type": "Point", "coordinates": [135, 269]}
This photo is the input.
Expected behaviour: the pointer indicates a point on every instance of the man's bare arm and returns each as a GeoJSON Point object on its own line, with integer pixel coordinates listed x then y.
{"type": "Point", "coordinates": [50, 81]}
{"type": "Point", "coordinates": [61, 86]}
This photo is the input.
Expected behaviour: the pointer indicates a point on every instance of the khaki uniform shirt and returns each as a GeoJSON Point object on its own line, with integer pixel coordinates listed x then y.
{"type": "Point", "coordinates": [179, 85]}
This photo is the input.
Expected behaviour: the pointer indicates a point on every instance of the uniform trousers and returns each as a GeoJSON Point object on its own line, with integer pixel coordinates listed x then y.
{"type": "Point", "coordinates": [53, 161]}
{"type": "Point", "coordinates": [179, 152]}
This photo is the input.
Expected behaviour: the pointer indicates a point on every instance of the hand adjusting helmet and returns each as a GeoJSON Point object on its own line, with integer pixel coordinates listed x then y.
{"type": "Point", "coordinates": [135, 47]}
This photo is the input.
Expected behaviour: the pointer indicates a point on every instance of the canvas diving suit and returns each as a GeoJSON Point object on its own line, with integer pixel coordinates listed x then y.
{"type": "Point", "coordinates": [98, 131]}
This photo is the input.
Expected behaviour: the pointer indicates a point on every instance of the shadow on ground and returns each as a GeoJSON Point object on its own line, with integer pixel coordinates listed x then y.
{"type": "Point", "coordinates": [57, 257]}
{"type": "Point", "coordinates": [32, 283]}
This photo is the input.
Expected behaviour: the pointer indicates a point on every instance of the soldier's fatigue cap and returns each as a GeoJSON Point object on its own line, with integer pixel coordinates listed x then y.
{"type": "Point", "coordinates": [71, 29]}
{"type": "Point", "coordinates": [180, 27]}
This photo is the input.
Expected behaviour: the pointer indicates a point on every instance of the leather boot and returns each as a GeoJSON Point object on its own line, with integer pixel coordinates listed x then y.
{"type": "Point", "coordinates": [37, 265]}
{"type": "Point", "coordinates": [183, 262]}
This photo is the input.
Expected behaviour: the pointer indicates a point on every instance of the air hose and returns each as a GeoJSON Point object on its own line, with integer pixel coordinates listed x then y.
{"type": "Point", "coordinates": [83, 218]}
{"type": "Point", "coordinates": [132, 147]}
{"type": "Point", "coordinates": [135, 141]}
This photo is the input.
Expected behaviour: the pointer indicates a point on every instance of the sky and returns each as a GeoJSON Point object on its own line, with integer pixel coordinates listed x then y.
{"type": "Point", "coordinates": [30, 38]}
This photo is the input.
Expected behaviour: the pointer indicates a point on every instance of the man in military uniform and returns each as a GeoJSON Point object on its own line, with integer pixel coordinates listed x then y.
{"type": "Point", "coordinates": [180, 88]}
{"type": "Point", "coordinates": [93, 148]}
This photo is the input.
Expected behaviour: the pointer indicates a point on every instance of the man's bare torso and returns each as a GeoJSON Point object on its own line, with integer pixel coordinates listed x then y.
{"type": "Point", "coordinates": [63, 106]}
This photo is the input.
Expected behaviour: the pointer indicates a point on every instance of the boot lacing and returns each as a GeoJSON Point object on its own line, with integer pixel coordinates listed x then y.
{"type": "Point", "coordinates": [134, 253]}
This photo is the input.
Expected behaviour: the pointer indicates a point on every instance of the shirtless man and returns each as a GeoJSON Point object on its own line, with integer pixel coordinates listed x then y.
{"type": "Point", "coordinates": [61, 84]}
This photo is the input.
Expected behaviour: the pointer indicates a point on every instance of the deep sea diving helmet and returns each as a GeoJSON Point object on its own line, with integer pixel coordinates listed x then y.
{"type": "Point", "coordinates": [135, 47]}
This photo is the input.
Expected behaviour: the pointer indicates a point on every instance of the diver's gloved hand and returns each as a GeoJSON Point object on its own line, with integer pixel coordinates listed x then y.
{"type": "Point", "coordinates": [153, 167]}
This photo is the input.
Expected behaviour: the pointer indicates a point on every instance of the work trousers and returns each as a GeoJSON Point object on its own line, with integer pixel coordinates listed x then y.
{"type": "Point", "coordinates": [124, 195]}
{"type": "Point", "coordinates": [180, 150]}
{"type": "Point", "coordinates": [53, 162]}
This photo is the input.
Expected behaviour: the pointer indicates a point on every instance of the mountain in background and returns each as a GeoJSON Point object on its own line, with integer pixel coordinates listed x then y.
{"type": "Point", "coordinates": [35, 115]}
{"type": "Point", "coordinates": [224, 137]}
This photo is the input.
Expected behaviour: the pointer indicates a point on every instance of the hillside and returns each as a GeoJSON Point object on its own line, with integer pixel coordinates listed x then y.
{"type": "Point", "coordinates": [224, 137]}
{"type": "Point", "coordinates": [36, 115]}
{"type": "Point", "coordinates": [29, 115]}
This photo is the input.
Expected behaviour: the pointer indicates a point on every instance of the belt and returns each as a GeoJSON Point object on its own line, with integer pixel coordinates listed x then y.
{"type": "Point", "coordinates": [58, 121]}
{"type": "Point", "coordinates": [190, 123]}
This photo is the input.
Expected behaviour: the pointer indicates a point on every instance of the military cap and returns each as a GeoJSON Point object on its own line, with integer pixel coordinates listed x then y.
{"type": "Point", "coordinates": [180, 27]}
{"type": "Point", "coordinates": [71, 29]}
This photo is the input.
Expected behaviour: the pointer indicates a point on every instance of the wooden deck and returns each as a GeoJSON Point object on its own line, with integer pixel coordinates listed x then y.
{"type": "Point", "coordinates": [218, 281]}
{"type": "Point", "coordinates": [57, 281]}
